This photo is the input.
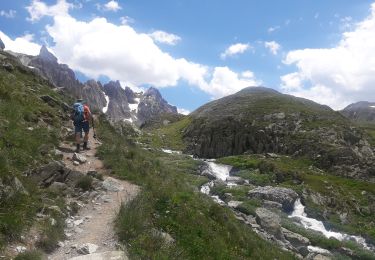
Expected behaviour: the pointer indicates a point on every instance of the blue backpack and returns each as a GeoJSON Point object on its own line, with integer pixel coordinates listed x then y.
{"type": "Point", "coordinates": [78, 115]}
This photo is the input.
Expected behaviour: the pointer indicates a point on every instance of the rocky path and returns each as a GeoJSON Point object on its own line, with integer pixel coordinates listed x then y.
{"type": "Point", "coordinates": [90, 233]}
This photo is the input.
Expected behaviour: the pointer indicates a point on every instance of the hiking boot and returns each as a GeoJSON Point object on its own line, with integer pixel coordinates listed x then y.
{"type": "Point", "coordinates": [85, 147]}
{"type": "Point", "coordinates": [78, 148]}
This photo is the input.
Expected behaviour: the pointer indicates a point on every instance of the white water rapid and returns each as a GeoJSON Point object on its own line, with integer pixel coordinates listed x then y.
{"type": "Point", "coordinates": [313, 224]}
{"type": "Point", "coordinates": [219, 171]}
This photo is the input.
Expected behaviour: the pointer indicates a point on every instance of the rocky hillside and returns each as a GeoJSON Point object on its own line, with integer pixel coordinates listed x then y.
{"type": "Point", "coordinates": [63, 77]}
{"type": "Point", "coordinates": [262, 120]}
{"type": "Point", "coordinates": [32, 113]}
{"type": "Point", "coordinates": [361, 112]}
{"type": "Point", "coordinates": [48, 193]}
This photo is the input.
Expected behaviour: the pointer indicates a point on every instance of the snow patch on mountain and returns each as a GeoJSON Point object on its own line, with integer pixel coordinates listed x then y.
{"type": "Point", "coordinates": [106, 106]}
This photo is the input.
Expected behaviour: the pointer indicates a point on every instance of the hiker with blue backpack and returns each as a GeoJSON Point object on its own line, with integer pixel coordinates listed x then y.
{"type": "Point", "coordinates": [81, 119]}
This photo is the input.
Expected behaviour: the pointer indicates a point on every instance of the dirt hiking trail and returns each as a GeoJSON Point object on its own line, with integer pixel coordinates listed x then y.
{"type": "Point", "coordinates": [90, 234]}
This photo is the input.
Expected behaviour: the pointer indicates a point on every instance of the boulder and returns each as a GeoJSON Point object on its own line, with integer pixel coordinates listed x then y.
{"type": "Point", "coordinates": [111, 184]}
{"type": "Point", "coordinates": [110, 255]}
{"type": "Point", "coordinates": [234, 203]}
{"type": "Point", "coordinates": [79, 158]}
{"type": "Point", "coordinates": [295, 239]}
{"type": "Point", "coordinates": [168, 239]}
{"type": "Point", "coordinates": [87, 248]}
{"type": "Point", "coordinates": [58, 187]}
{"type": "Point", "coordinates": [54, 171]}
{"type": "Point", "coordinates": [286, 197]}
{"type": "Point", "coordinates": [269, 221]}
{"type": "Point", "coordinates": [47, 174]}
{"type": "Point", "coordinates": [73, 177]}
{"type": "Point", "coordinates": [20, 249]}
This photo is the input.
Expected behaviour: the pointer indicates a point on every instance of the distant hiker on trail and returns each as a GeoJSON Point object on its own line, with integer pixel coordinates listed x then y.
{"type": "Point", "coordinates": [81, 118]}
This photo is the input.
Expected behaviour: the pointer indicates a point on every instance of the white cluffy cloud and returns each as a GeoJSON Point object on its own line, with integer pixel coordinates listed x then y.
{"type": "Point", "coordinates": [340, 75]}
{"type": "Point", "coordinates": [21, 44]}
{"type": "Point", "coordinates": [164, 37]}
{"type": "Point", "coordinates": [100, 48]}
{"type": "Point", "coordinates": [273, 47]}
{"type": "Point", "coordinates": [225, 82]}
{"type": "Point", "coordinates": [119, 52]}
{"type": "Point", "coordinates": [110, 6]}
{"type": "Point", "coordinates": [183, 111]}
{"type": "Point", "coordinates": [234, 49]}
{"type": "Point", "coordinates": [37, 9]}
{"type": "Point", "coordinates": [10, 14]}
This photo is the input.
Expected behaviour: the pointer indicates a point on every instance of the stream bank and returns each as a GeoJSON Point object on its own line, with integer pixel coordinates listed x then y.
{"type": "Point", "coordinates": [277, 204]}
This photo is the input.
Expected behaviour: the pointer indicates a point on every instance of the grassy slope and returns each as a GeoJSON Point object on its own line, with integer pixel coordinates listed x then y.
{"type": "Point", "coordinates": [170, 201]}
{"type": "Point", "coordinates": [169, 136]}
{"type": "Point", "coordinates": [22, 147]}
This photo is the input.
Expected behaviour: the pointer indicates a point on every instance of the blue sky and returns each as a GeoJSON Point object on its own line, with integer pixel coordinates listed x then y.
{"type": "Point", "coordinates": [195, 51]}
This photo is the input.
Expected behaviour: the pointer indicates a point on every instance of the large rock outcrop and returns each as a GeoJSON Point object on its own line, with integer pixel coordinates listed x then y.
{"type": "Point", "coordinates": [262, 120]}
{"type": "Point", "coordinates": [118, 108]}
{"type": "Point", "coordinates": [93, 93]}
{"type": "Point", "coordinates": [286, 197]}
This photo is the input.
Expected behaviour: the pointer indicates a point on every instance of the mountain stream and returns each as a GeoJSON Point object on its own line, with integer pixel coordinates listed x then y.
{"type": "Point", "coordinates": [222, 172]}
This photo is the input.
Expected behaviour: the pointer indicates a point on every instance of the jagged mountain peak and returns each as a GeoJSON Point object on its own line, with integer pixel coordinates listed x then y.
{"type": "Point", "coordinates": [45, 54]}
{"type": "Point", "coordinates": [114, 90]}
{"type": "Point", "coordinates": [93, 83]}
{"type": "Point", "coordinates": [2, 45]}
{"type": "Point", "coordinates": [152, 92]}
{"type": "Point", "coordinates": [152, 104]}
{"type": "Point", "coordinates": [114, 84]}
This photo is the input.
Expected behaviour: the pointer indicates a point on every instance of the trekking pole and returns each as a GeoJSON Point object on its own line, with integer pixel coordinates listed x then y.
{"type": "Point", "coordinates": [93, 127]}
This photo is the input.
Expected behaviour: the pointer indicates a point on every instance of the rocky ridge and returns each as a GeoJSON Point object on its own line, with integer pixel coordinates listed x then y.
{"type": "Point", "coordinates": [120, 104]}
{"type": "Point", "coordinates": [361, 112]}
{"type": "Point", "coordinates": [260, 120]}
